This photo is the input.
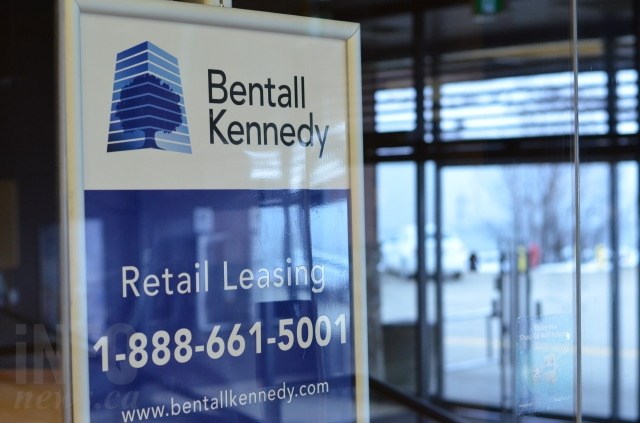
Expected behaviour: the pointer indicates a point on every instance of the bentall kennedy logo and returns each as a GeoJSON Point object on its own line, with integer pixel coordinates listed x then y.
{"type": "Point", "coordinates": [147, 108]}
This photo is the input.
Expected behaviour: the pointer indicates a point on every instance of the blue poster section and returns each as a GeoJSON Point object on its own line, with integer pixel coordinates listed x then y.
{"type": "Point", "coordinates": [219, 305]}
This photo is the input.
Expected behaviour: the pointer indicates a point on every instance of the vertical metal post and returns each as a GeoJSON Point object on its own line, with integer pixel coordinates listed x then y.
{"type": "Point", "coordinates": [502, 283]}
{"type": "Point", "coordinates": [440, 364]}
{"type": "Point", "coordinates": [636, 60]}
{"type": "Point", "coordinates": [489, 328]}
{"type": "Point", "coordinates": [422, 350]}
{"type": "Point", "coordinates": [615, 294]}
{"type": "Point", "coordinates": [63, 211]}
{"type": "Point", "coordinates": [613, 233]}
{"type": "Point", "coordinates": [577, 287]}
{"type": "Point", "coordinates": [514, 312]}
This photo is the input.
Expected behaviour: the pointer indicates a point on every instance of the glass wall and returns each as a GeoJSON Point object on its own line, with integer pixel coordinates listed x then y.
{"type": "Point", "coordinates": [396, 212]}
{"type": "Point", "coordinates": [30, 376]}
{"type": "Point", "coordinates": [504, 193]}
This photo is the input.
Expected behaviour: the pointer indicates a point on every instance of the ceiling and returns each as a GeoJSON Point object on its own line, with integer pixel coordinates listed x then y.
{"type": "Point", "coordinates": [451, 26]}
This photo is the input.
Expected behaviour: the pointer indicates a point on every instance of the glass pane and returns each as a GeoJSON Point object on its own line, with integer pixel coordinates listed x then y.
{"type": "Point", "coordinates": [596, 290]}
{"type": "Point", "coordinates": [627, 103]}
{"type": "Point", "coordinates": [395, 110]}
{"type": "Point", "coordinates": [396, 208]}
{"type": "Point", "coordinates": [471, 333]}
{"type": "Point", "coordinates": [522, 106]}
{"type": "Point", "coordinates": [507, 227]}
{"type": "Point", "coordinates": [628, 262]}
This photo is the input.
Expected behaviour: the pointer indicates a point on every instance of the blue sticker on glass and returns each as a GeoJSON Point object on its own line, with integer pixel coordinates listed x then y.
{"type": "Point", "coordinates": [545, 364]}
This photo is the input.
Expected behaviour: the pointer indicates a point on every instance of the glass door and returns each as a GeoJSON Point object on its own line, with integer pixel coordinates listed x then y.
{"type": "Point", "coordinates": [508, 332]}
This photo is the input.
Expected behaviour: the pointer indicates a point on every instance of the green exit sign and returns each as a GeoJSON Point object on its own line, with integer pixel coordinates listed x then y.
{"type": "Point", "coordinates": [488, 7]}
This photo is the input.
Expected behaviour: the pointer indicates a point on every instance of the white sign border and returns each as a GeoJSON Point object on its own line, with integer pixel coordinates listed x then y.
{"type": "Point", "coordinates": [74, 315]}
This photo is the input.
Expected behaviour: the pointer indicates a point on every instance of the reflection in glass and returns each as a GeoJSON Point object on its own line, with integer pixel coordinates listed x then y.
{"type": "Point", "coordinates": [217, 265]}
{"type": "Point", "coordinates": [514, 221]}
{"type": "Point", "coordinates": [396, 207]}
{"type": "Point", "coordinates": [511, 107]}
{"type": "Point", "coordinates": [627, 174]}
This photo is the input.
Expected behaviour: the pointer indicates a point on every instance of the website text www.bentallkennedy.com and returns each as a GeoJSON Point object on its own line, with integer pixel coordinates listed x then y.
{"type": "Point", "coordinates": [224, 399]}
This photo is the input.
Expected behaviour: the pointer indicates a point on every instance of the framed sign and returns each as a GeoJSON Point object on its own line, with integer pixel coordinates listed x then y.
{"type": "Point", "coordinates": [214, 214]}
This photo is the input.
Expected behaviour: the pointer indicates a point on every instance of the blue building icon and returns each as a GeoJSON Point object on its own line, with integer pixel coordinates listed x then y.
{"type": "Point", "coordinates": [147, 108]}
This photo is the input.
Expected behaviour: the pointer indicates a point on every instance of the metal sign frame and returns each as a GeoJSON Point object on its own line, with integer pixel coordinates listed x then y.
{"type": "Point", "coordinates": [71, 158]}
